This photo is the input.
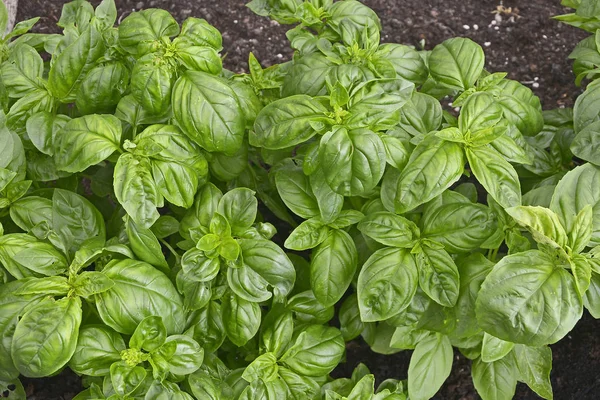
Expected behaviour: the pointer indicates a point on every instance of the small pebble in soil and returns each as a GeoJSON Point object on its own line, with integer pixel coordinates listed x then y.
{"type": "Point", "coordinates": [535, 85]}
{"type": "Point", "coordinates": [487, 44]}
{"type": "Point", "coordinates": [475, 27]}
{"type": "Point", "coordinates": [466, 27]}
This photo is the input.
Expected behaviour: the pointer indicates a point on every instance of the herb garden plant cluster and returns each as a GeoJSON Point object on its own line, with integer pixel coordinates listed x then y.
{"type": "Point", "coordinates": [133, 249]}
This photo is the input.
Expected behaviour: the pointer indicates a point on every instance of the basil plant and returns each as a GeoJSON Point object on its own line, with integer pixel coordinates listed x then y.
{"type": "Point", "coordinates": [171, 229]}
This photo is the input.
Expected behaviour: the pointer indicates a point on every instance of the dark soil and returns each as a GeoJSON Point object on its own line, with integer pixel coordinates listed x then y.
{"type": "Point", "coordinates": [526, 43]}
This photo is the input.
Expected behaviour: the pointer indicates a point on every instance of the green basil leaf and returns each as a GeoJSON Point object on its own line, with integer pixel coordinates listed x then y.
{"type": "Point", "coordinates": [287, 122]}
{"type": "Point", "coordinates": [332, 267]}
{"type": "Point", "coordinates": [308, 309]}
{"type": "Point", "coordinates": [181, 355]}
{"type": "Point", "coordinates": [151, 83]}
{"type": "Point", "coordinates": [386, 284]}
{"type": "Point", "coordinates": [351, 324]}
{"type": "Point", "coordinates": [199, 58]}
{"type": "Point", "coordinates": [22, 72]}
{"type": "Point", "coordinates": [201, 33]}
{"type": "Point", "coordinates": [139, 291]}
{"type": "Point", "coordinates": [429, 367]}
{"type": "Point", "coordinates": [534, 365]}
{"type": "Point", "coordinates": [298, 386]}
{"type": "Point", "coordinates": [140, 29]}
{"type": "Point", "coordinates": [102, 88]}
{"type": "Point", "coordinates": [433, 167]}
{"type": "Point", "coordinates": [136, 191]}
{"type": "Point", "coordinates": [208, 111]}
{"type": "Point", "coordinates": [585, 144]}
{"type": "Point", "coordinates": [277, 330]}
{"type": "Point", "coordinates": [295, 190]}
{"type": "Point", "coordinates": [307, 235]}
{"type": "Point", "coordinates": [145, 245]}
{"type": "Point", "coordinates": [198, 267]}
{"type": "Point", "coordinates": [209, 331]}
{"type": "Point", "coordinates": [496, 380]}
{"type": "Point", "coordinates": [406, 61]}
{"type": "Point", "coordinates": [50, 286]}
{"type": "Point", "coordinates": [44, 328]}
{"type": "Point", "coordinates": [389, 229]}
{"type": "Point", "coordinates": [239, 207]}
{"type": "Point", "coordinates": [270, 262]}
{"type": "Point", "coordinates": [263, 367]}
{"type": "Point", "coordinates": [421, 115]}
{"type": "Point", "coordinates": [573, 193]}
{"type": "Point", "coordinates": [98, 347]}
{"type": "Point", "coordinates": [86, 141]}
{"type": "Point", "coordinates": [473, 271]}
{"type": "Point", "coordinates": [316, 351]}
{"type": "Point", "coordinates": [353, 161]}
{"type": "Point", "coordinates": [528, 299]}
{"type": "Point", "coordinates": [241, 319]}
{"type": "Point", "coordinates": [149, 335]}
{"type": "Point", "coordinates": [248, 284]}
{"type": "Point", "coordinates": [71, 66]}
{"type": "Point", "coordinates": [23, 256]}
{"type": "Point", "coordinates": [438, 275]}
{"type": "Point", "coordinates": [126, 379]}
{"type": "Point", "coordinates": [75, 220]}
{"type": "Point", "coordinates": [11, 307]}
{"type": "Point", "coordinates": [459, 227]}
{"type": "Point", "coordinates": [456, 63]}
{"type": "Point", "coordinates": [375, 104]}
{"type": "Point", "coordinates": [330, 203]}
{"type": "Point", "coordinates": [521, 107]}
{"type": "Point", "coordinates": [494, 349]}
{"type": "Point", "coordinates": [496, 175]}
{"type": "Point", "coordinates": [542, 223]}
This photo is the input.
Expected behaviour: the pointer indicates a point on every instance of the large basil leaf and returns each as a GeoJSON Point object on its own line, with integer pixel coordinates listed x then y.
{"type": "Point", "coordinates": [438, 275]}
{"type": "Point", "coordinates": [576, 190]}
{"type": "Point", "coordinates": [316, 351]}
{"type": "Point", "coordinates": [386, 284]}
{"type": "Point", "coordinates": [86, 141]}
{"type": "Point", "coordinates": [48, 326]}
{"type": "Point", "coordinates": [11, 307]}
{"type": "Point", "coordinates": [140, 29]}
{"type": "Point", "coordinates": [241, 319]}
{"type": "Point", "coordinates": [151, 83]}
{"type": "Point", "coordinates": [270, 262]}
{"type": "Point", "coordinates": [102, 88]}
{"type": "Point", "coordinates": [332, 267]}
{"type": "Point", "coordinates": [295, 190]}
{"type": "Point", "coordinates": [287, 122]}
{"type": "Point", "coordinates": [456, 63]}
{"type": "Point", "coordinates": [496, 380]}
{"type": "Point", "coordinates": [353, 162]}
{"type": "Point", "coordinates": [22, 72]}
{"type": "Point", "coordinates": [459, 227]}
{"type": "Point", "coordinates": [145, 245]}
{"type": "Point", "coordinates": [140, 291]}
{"type": "Point", "coordinates": [24, 256]}
{"type": "Point", "coordinates": [432, 168]}
{"type": "Point", "coordinates": [529, 299]}
{"type": "Point", "coordinates": [209, 112]}
{"type": "Point", "coordinates": [75, 220]}
{"type": "Point", "coordinates": [534, 365]}
{"type": "Point", "coordinates": [496, 175]}
{"type": "Point", "coordinates": [389, 229]}
{"type": "Point", "coordinates": [73, 63]}
{"type": "Point", "coordinates": [97, 348]}
{"type": "Point", "coordinates": [430, 365]}
{"type": "Point", "coordinates": [135, 189]}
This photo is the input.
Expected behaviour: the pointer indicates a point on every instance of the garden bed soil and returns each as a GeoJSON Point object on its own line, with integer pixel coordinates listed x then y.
{"type": "Point", "coordinates": [525, 42]}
